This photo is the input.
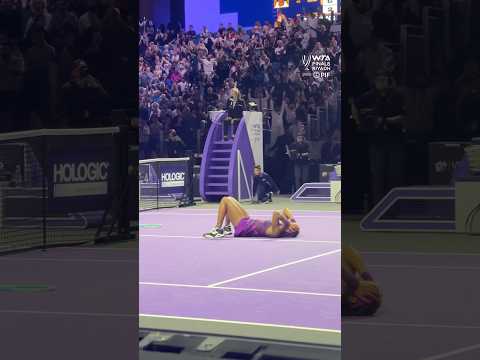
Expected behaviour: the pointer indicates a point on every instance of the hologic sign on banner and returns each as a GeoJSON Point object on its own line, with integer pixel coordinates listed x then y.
{"type": "Point", "coordinates": [80, 178]}
{"type": "Point", "coordinates": [81, 164]}
{"type": "Point", "coordinates": [171, 177]}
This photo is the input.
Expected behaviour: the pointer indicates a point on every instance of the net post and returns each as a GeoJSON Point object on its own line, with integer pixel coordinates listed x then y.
{"type": "Point", "coordinates": [124, 219]}
{"type": "Point", "coordinates": [158, 192]}
{"type": "Point", "coordinates": [44, 193]}
{"type": "Point", "coordinates": [188, 196]}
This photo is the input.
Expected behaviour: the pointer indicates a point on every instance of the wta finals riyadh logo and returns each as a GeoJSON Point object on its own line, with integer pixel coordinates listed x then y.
{"type": "Point", "coordinates": [316, 65]}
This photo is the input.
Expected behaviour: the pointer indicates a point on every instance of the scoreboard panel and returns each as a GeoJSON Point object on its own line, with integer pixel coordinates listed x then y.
{"type": "Point", "coordinates": [293, 7]}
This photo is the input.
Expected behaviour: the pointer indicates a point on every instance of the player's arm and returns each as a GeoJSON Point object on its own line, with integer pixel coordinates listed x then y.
{"type": "Point", "coordinates": [288, 214]}
{"type": "Point", "coordinates": [350, 281]}
{"type": "Point", "coordinates": [279, 223]}
{"type": "Point", "coordinates": [355, 261]}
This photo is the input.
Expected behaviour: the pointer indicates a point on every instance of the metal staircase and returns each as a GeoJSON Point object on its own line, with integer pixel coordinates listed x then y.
{"type": "Point", "coordinates": [221, 163]}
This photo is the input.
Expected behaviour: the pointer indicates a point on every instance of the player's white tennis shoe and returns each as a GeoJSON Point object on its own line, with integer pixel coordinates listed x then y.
{"type": "Point", "coordinates": [227, 230]}
{"type": "Point", "coordinates": [214, 233]}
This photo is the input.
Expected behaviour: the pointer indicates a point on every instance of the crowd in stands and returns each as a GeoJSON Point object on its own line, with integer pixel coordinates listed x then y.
{"type": "Point", "coordinates": [66, 63]}
{"type": "Point", "coordinates": [184, 74]}
{"type": "Point", "coordinates": [419, 88]}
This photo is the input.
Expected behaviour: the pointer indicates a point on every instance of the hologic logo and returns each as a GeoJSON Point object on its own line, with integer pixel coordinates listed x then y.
{"type": "Point", "coordinates": [173, 179]}
{"type": "Point", "coordinates": [81, 172]}
{"type": "Point", "coordinates": [174, 176]}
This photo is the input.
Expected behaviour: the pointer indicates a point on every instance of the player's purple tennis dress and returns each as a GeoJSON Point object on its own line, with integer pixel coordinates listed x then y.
{"type": "Point", "coordinates": [248, 227]}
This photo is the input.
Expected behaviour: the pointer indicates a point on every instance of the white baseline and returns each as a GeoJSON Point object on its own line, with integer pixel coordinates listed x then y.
{"type": "Point", "coordinates": [239, 289]}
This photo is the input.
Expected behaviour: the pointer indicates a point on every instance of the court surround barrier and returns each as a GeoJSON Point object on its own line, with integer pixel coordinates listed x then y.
{"type": "Point", "coordinates": [428, 209]}
{"type": "Point", "coordinates": [321, 192]}
{"type": "Point", "coordinates": [62, 186]}
{"type": "Point", "coordinates": [165, 182]}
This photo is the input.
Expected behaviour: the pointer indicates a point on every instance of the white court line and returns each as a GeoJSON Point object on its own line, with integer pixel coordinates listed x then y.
{"type": "Point", "coordinates": [66, 313]}
{"type": "Point", "coordinates": [275, 267]}
{"type": "Point", "coordinates": [228, 322]}
{"type": "Point", "coordinates": [72, 249]}
{"type": "Point", "coordinates": [14, 258]}
{"type": "Point", "coordinates": [214, 210]}
{"type": "Point", "coordinates": [252, 215]}
{"type": "Point", "coordinates": [240, 289]}
{"type": "Point", "coordinates": [406, 253]}
{"type": "Point", "coordinates": [453, 352]}
{"type": "Point", "coordinates": [425, 267]}
{"type": "Point", "coordinates": [412, 325]}
{"type": "Point", "coordinates": [103, 248]}
{"type": "Point", "coordinates": [240, 239]}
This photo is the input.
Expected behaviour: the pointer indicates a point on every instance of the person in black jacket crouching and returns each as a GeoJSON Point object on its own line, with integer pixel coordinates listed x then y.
{"type": "Point", "coordinates": [263, 186]}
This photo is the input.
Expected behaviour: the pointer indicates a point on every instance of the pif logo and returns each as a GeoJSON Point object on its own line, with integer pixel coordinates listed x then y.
{"type": "Point", "coordinates": [316, 65]}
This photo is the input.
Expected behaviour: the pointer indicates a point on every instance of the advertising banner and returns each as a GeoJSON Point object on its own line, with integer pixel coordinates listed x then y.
{"type": "Point", "coordinates": [443, 159]}
{"type": "Point", "coordinates": [79, 179]}
{"type": "Point", "coordinates": [254, 122]}
{"type": "Point", "coordinates": [170, 177]}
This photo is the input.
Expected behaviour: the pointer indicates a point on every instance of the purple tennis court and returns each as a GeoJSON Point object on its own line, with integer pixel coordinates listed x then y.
{"type": "Point", "coordinates": [91, 298]}
{"type": "Point", "coordinates": [245, 284]}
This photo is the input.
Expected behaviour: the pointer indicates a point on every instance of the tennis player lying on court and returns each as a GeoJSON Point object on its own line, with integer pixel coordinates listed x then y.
{"type": "Point", "coordinates": [231, 213]}
{"type": "Point", "coordinates": [360, 294]}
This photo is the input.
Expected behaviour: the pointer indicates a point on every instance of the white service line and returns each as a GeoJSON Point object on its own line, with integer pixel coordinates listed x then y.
{"type": "Point", "coordinates": [62, 260]}
{"type": "Point", "coordinates": [239, 239]}
{"type": "Point", "coordinates": [240, 289]}
{"type": "Point", "coordinates": [424, 267]}
{"type": "Point", "coordinates": [275, 267]}
{"type": "Point", "coordinates": [411, 325]}
{"type": "Point", "coordinates": [214, 210]}
{"type": "Point", "coordinates": [105, 248]}
{"type": "Point", "coordinates": [406, 253]}
{"type": "Point", "coordinates": [252, 215]}
{"type": "Point", "coordinates": [230, 322]}
{"type": "Point", "coordinates": [66, 313]}
{"type": "Point", "coordinates": [453, 352]}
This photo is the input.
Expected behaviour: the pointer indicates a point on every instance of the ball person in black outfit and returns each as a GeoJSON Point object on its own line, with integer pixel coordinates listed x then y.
{"type": "Point", "coordinates": [263, 186]}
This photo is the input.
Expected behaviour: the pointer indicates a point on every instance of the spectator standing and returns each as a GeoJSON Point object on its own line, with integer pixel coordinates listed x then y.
{"type": "Point", "coordinates": [387, 152]}
{"type": "Point", "coordinates": [175, 145]}
{"type": "Point", "coordinates": [301, 160]}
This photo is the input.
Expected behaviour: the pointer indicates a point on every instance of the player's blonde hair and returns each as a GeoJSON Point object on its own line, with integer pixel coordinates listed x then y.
{"type": "Point", "coordinates": [235, 93]}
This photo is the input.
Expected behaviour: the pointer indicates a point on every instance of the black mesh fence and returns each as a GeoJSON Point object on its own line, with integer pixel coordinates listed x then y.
{"type": "Point", "coordinates": [165, 182]}
{"type": "Point", "coordinates": [59, 187]}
